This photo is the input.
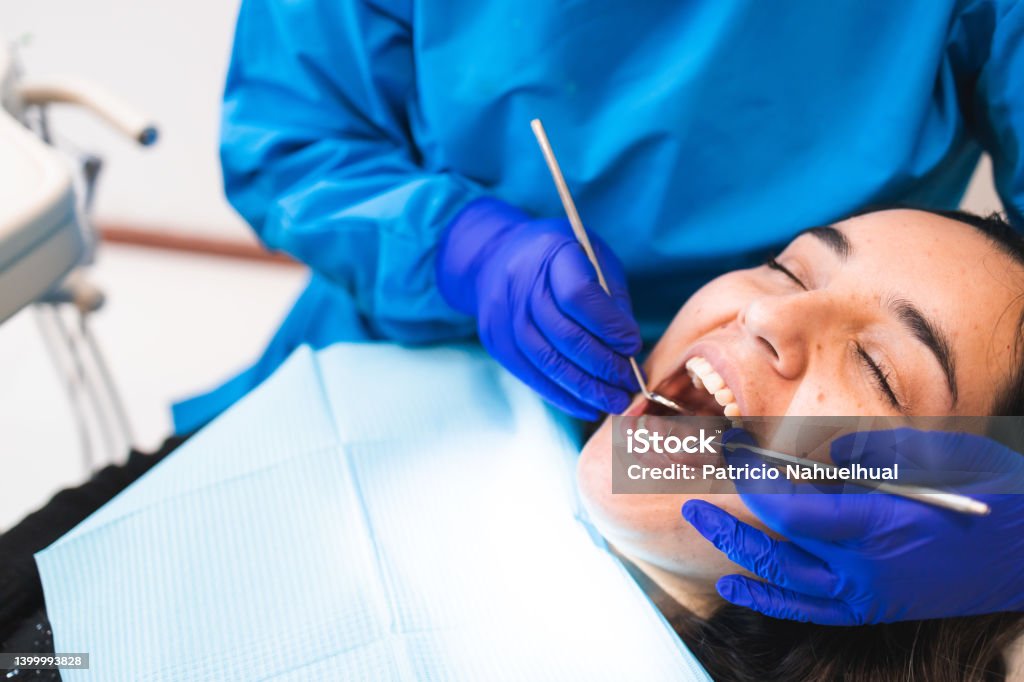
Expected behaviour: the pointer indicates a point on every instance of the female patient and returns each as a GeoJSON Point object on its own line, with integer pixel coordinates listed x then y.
{"type": "Point", "coordinates": [889, 313]}
{"type": "Point", "coordinates": [896, 312]}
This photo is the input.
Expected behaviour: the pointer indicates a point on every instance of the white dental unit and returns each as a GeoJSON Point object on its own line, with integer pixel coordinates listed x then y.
{"type": "Point", "coordinates": [41, 238]}
{"type": "Point", "coordinates": [45, 236]}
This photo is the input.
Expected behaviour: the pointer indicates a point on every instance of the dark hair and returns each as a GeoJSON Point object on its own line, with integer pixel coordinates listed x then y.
{"type": "Point", "coordinates": [739, 645]}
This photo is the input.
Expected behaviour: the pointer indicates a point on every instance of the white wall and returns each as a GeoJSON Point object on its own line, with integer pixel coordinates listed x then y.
{"type": "Point", "coordinates": [981, 194]}
{"type": "Point", "coordinates": [168, 57]}
{"type": "Point", "coordinates": [174, 324]}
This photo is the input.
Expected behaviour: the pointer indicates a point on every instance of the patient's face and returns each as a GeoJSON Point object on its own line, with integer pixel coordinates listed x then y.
{"type": "Point", "coordinates": [894, 312]}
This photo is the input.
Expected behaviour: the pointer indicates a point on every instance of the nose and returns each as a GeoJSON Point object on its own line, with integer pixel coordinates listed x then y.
{"type": "Point", "coordinates": [782, 328]}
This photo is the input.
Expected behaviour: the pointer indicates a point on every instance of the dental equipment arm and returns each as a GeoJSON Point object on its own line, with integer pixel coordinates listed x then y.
{"type": "Point", "coordinates": [111, 108]}
{"type": "Point", "coordinates": [856, 559]}
{"type": "Point", "coordinates": [40, 231]}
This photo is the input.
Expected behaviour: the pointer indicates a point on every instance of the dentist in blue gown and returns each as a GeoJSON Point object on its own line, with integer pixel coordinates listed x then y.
{"type": "Point", "coordinates": [386, 145]}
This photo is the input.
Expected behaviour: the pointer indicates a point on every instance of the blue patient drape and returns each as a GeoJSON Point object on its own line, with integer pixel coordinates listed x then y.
{"type": "Point", "coordinates": [370, 512]}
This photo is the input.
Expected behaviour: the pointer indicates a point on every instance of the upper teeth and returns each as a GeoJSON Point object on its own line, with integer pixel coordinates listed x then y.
{"type": "Point", "coordinates": [704, 376]}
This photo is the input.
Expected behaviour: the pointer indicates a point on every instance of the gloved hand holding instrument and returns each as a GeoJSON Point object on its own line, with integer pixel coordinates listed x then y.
{"type": "Point", "coordinates": [861, 558]}
{"type": "Point", "coordinates": [553, 314]}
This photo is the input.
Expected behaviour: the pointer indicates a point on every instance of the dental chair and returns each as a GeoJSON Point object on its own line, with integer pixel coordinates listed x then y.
{"type": "Point", "coordinates": [46, 241]}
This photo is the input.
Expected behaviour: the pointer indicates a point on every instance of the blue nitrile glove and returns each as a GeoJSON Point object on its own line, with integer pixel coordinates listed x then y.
{"type": "Point", "coordinates": [539, 308]}
{"type": "Point", "coordinates": [855, 559]}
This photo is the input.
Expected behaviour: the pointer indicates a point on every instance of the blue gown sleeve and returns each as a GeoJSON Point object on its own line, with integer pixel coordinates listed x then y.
{"type": "Point", "coordinates": [318, 156]}
{"type": "Point", "coordinates": [990, 33]}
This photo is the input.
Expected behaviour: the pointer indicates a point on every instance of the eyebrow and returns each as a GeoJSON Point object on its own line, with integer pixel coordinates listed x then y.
{"type": "Point", "coordinates": [928, 333]}
{"type": "Point", "coordinates": [923, 329]}
{"type": "Point", "coordinates": [833, 238]}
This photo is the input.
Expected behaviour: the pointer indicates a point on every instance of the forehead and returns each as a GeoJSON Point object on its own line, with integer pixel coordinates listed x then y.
{"type": "Point", "coordinates": [915, 249]}
{"type": "Point", "coordinates": [954, 274]}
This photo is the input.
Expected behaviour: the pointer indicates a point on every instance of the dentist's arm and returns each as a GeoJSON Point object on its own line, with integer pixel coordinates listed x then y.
{"type": "Point", "coordinates": [855, 559]}
{"type": "Point", "coordinates": [318, 158]}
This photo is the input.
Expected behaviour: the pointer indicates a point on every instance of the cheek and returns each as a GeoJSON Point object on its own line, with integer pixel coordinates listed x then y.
{"type": "Point", "coordinates": [719, 300]}
{"type": "Point", "coordinates": [715, 304]}
{"type": "Point", "coordinates": [594, 468]}
{"type": "Point", "coordinates": [830, 393]}
{"type": "Point", "coordinates": [825, 399]}
{"type": "Point", "coordinates": [650, 527]}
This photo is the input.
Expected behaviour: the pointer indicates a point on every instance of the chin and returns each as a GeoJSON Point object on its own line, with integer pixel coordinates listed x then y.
{"type": "Point", "coordinates": [645, 527]}
{"type": "Point", "coordinates": [650, 527]}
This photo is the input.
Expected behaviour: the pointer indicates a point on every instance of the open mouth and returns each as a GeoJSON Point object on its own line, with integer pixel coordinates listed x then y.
{"type": "Point", "coordinates": [697, 387]}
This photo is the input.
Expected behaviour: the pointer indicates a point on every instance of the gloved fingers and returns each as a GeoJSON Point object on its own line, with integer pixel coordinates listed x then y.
{"type": "Point", "coordinates": [501, 344]}
{"type": "Point", "coordinates": [733, 441]}
{"type": "Point", "coordinates": [777, 561]}
{"type": "Point", "coordinates": [942, 459]}
{"type": "Point", "coordinates": [738, 456]}
{"type": "Point", "coordinates": [830, 517]}
{"type": "Point", "coordinates": [558, 369]}
{"type": "Point", "coordinates": [778, 602]}
{"type": "Point", "coordinates": [577, 344]}
{"type": "Point", "coordinates": [741, 458]}
{"type": "Point", "coordinates": [910, 448]}
{"type": "Point", "coordinates": [797, 509]}
{"type": "Point", "coordinates": [886, 447]}
{"type": "Point", "coordinates": [578, 294]}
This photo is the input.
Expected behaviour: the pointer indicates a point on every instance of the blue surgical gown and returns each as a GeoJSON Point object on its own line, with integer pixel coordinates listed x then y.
{"type": "Point", "coordinates": [694, 136]}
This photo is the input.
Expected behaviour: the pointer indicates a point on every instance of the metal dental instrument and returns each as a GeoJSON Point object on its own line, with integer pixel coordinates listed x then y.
{"type": "Point", "coordinates": [937, 498]}
{"type": "Point", "coordinates": [581, 237]}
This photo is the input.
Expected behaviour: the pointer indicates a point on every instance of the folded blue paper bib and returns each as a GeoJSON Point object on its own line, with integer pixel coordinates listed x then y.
{"type": "Point", "coordinates": [369, 513]}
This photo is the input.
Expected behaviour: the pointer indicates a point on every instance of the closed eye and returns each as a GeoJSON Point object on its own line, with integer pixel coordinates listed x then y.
{"type": "Point", "coordinates": [880, 377]}
{"type": "Point", "coordinates": [776, 265]}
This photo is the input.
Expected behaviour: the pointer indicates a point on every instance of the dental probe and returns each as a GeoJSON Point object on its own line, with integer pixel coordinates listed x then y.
{"type": "Point", "coordinates": [937, 498]}
{"type": "Point", "coordinates": [581, 237]}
